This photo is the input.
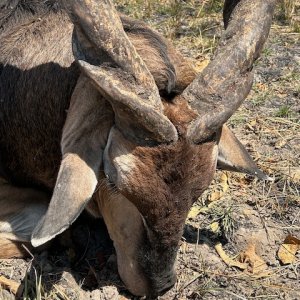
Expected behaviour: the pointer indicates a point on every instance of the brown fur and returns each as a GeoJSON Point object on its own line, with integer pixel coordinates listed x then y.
{"type": "Point", "coordinates": [23, 160]}
{"type": "Point", "coordinates": [171, 173]}
{"type": "Point", "coordinates": [158, 184]}
{"type": "Point", "coordinates": [162, 182]}
{"type": "Point", "coordinates": [171, 71]}
{"type": "Point", "coordinates": [10, 249]}
{"type": "Point", "coordinates": [53, 118]}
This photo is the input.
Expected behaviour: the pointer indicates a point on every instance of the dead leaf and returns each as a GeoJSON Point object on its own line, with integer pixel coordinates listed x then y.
{"type": "Point", "coordinates": [287, 251]}
{"type": "Point", "coordinates": [253, 122]}
{"type": "Point", "coordinates": [13, 286]}
{"type": "Point", "coordinates": [256, 265]}
{"type": "Point", "coordinates": [215, 227]}
{"type": "Point", "coordinates": [224, 182]}
{"type": "Point", "coordinates": [201, 65]}
{"type": "Point", "coordinates": [227, 260]}
{"type": "Point", "coordinates": [214, 196]}
{"type": "Point", "coordinates": [272, 160]}
{"type": "Point", "coordinates": [248, 212]}
{"type": "Point", "coordinates": [296, 175]}
{"type": "Point", "coordinates": [282, 95]}
{"type": "Point", "coordinates": [280, 144]}
{"type": "Point", "coordinates": [261, 86]}
{"type": "Point", "coordinates": [195, 211]}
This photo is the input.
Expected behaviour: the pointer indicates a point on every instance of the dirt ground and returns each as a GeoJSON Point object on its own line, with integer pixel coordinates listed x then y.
{"type": "Point", "coordinates": [230, 248]}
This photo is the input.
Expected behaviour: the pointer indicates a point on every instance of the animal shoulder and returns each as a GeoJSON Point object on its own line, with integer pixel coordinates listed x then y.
{"type": "Point", "coordinates": [35, 32]}
{"type": "Point", "coordinates": [37, 78]}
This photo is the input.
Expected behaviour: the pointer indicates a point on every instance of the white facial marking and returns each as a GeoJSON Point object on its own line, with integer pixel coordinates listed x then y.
{"type": "Point", "coordinates": [125, 163]}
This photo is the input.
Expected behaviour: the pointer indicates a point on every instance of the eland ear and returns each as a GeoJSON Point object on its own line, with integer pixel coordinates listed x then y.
{"type": "Point", "coordinates": [234, 157]}
{"type": "Point", "coordinates": [83, 140]}
{"type": "Point", "coordinates": [74, 187]}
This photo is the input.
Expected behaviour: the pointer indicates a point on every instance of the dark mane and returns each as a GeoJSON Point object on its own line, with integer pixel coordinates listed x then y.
{"type": "Point", "coordinates": [19, 11]}
{"type": "Point", "coordinates": [138, 28]}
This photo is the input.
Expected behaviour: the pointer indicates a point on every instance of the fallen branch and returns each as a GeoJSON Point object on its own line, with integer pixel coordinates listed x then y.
{"type": "Point", "coordinates": [229, 261]}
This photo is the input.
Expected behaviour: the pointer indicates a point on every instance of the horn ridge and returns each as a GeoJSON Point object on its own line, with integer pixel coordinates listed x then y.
{"type": "Point", "coordinates": [106, 55]}
{"type": "Point", "coordinates": [219, 90]}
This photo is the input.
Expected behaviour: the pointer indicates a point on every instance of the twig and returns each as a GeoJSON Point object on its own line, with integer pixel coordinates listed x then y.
{"type": "Point", "coordinates": [29, 252]}
{"type": "Point", "coordinates": [228, 261]}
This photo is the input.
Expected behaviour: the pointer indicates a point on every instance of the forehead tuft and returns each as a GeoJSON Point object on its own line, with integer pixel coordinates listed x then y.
{"type": "Point", "coordinates": [177, 166]}
{"type": "Point", "coordinates": [180, 114]}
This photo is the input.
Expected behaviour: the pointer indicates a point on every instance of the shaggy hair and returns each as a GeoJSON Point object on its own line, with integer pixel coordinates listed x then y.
{"type": "Point", "coordinates": [12, 11]}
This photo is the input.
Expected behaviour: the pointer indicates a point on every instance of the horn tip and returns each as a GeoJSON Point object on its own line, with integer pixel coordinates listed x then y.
{"type": "Point", "coordinates": [36, 242]}
{"type": "Point", "coordinates": [42, 234]}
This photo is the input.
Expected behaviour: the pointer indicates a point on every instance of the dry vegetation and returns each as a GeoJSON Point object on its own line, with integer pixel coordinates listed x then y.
{"type": "Point", "coordinates": [230, 249]}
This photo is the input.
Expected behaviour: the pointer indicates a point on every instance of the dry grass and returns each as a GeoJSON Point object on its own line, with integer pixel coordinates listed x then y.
{"type": "Point", "coordinates": [290, 13]}
{"type": "Point", "coordinates": [190, 22]}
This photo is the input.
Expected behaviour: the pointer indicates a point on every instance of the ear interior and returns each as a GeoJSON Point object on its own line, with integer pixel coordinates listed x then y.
{"type": "Point", "coordinates": [134, 117]}
{"type": "Point", "coordinates": [234, 157]}
{"type": "Point", "coordinates": [75, 185]}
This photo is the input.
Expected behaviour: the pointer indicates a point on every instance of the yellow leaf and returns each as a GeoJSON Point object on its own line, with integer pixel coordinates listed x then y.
{"type": "Point", "coordinates": [256, 264]}
{"type": "Point", "coordinates": [214, 226]}
{"type": "Point", "coordinates": [287, 251]}
{"type": "Point", "coordinates": [214, 196]}
{"type": "Point", "coordinates": [194, 212]}
{"type": "Point", "coordinates": [224, 183]}
{"type": "Point", "coordinates": [200, 65]}
{"type": "Point", "coordinates": [224, 177]}
{"type": "Point", "coordinates": [296, 175]}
